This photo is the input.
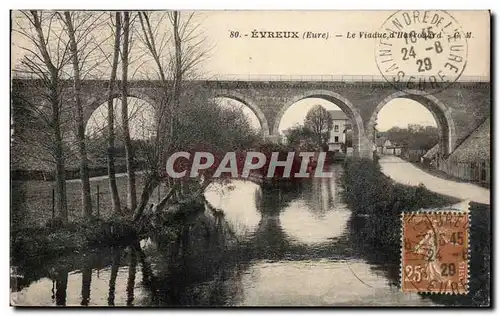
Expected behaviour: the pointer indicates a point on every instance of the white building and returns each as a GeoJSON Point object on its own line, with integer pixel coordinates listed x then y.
{"type": "Point", "coordinates": [386, 147]}
{"type": "Point", "coordinates": [340, 124]}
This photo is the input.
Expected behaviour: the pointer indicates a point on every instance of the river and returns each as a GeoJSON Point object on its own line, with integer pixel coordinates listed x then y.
{"type": "Point", "coordinates": [294, 248]}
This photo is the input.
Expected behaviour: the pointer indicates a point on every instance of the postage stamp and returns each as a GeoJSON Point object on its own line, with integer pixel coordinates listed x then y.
{"type": "Point", "coordinates": [435, 252]}
{"type": "Point", "coordinates": [421, 51]}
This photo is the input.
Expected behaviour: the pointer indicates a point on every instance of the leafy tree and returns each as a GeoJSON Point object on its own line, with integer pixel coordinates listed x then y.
{"type": "Point", "coordinates": [319, 121]}
{"type": "Point", "coordinates": [414, 136]}
{"type": "Point", "coordinates": [300, 136]}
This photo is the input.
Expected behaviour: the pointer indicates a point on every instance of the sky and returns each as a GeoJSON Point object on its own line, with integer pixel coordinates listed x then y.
{"type": "Point", "coordinates": [245, 56]}
{"type": "Point", "coordinates": [335, 56]}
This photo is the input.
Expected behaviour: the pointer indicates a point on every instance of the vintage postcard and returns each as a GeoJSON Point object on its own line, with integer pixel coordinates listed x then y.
{"type": "Point", "coordinates": [250, 158]}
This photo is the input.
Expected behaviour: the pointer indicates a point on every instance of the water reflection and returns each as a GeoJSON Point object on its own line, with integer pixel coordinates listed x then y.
{"type": "Point", "coordinates": [61, 287]}
{"type": "Point", "coordinates": [309, 228]}
{"type": "Point", "coordinates": [236, 199]}
{"type": "Point", "coordinates": [319, 214]}
{"type": "Point", "coordinates": [272, 246]}
{"type": "Point", "coordinates": [112, 279]}
{"type": "Point", "coordinates": [82, 280]}
{"type": "Point", "coordinates": [86, 281]}
{"type": "Point", "coordinates": [323, 282]}
{"type": "Point", "coordinates": [131, 277]}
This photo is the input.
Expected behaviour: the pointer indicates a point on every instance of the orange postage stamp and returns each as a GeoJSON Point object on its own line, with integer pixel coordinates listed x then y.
{"type": "Point", "coordinates": [435, 252]}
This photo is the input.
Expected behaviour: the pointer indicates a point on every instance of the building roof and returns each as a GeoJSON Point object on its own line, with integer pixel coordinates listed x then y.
{"type": "Point", "coordinates": [380, 141]}
{"type": "Point", "coordinates": [476, 146]}
{"type": "Point", "coordinates": [432, 152]}
{"type": "Point", "coordinates": [338, 115]}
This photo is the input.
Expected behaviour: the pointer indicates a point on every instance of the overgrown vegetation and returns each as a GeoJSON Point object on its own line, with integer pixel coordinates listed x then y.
{"type": "Point", "coordinates": [371, 194]}
{"type": "Point", "coordinates": [315, 132]}
{"type": "Point", "coordinates": [414, 136]}
{"type": "Point", "coordinates": [301, 137]}
{"type": "Point", "coordinates": [319, 121]}
{"type": "Point", "coordinates": [380, 202]}
{"type": "Point", "coordinates": [57, 238]}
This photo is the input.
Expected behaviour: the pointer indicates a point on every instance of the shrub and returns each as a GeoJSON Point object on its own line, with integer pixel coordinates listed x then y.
{"type": "Point", "coordinates": [56, 238]}
{"type": "Point", "coordinates": [370, 193]}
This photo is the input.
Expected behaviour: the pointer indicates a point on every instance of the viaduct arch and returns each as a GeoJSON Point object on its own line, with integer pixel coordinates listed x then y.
{"type": "Point", "coordinates": [458, 110]}
{"type": "Point", "coordinates": [96, 101]}
{"type": "Point", "coordinates": [233, 95]}
{"type": "Point", "coordinates": [344, 104]}
{"type": "Point", "coordinates": [440, 111]}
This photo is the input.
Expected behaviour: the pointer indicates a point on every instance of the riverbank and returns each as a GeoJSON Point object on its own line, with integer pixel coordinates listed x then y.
{"type": "Point", "coordinates": [379, 202]}
{"type": "Point", "coordinates": [164, 250]}
{"type": "Point", "coordinates": [55, 238]}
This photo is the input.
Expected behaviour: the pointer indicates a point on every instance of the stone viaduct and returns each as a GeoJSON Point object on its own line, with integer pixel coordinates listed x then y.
{"type": "Point", "coordinates": [458, 110]}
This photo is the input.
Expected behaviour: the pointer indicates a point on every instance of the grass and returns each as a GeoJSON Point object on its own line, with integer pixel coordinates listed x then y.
{"type": "Point", "coordinates": [31, 201]}
{"type": "Point", "coordinates": [34, 234]}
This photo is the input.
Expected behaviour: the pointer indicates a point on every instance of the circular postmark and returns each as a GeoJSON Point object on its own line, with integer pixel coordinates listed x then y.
{"type": "Point", "coordinates": [421, 51]}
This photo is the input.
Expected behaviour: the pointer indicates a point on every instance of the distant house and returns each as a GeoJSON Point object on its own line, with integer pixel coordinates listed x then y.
{"type": "Point", "coordinates": [340, 130]}
{"type": "Point", "coordinates": [386, 147]}
{"type": "Point", "coordinates": [382, 143]}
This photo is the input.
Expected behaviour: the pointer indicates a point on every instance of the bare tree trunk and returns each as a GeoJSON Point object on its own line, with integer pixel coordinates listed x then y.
{"type": "Point", "coordinates": [61, 202]}
{"type": "Point", "coordinates": [177, 88]}
{"type": "Point", "coordinates": [84, 166]}
{"type": "Point", "coordinates": [178, 71]}
{"type": "Point", "coordinates": [150, 184]}
{"type": "Point", "coordinates": [163, 133]}
{"type": "Point", "coordinates": [129, 150]}
{"type": "Point", "coordinates": [111, 123]}
{"type": "Point", "coordinates": [167, 138]}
